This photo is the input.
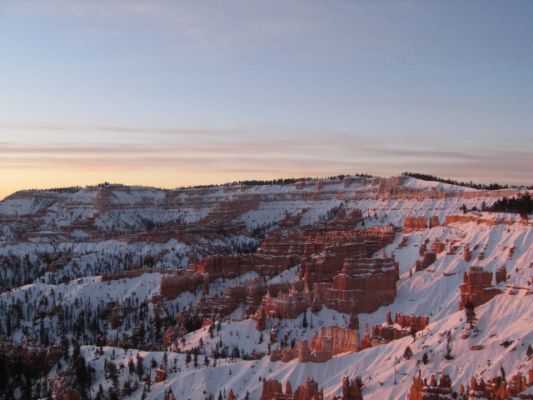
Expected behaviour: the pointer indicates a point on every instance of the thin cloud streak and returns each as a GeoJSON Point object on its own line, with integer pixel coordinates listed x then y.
{"type": "Point", "coordinates": [315, 157]}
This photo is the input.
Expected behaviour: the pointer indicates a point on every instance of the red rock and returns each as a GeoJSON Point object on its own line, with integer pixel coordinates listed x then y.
{"type": "Point", "coordinates": [467, 254]}
{"type": "Point", "coordinates": [172, 285]}
{"type": "Point", "coordinates": [71, 394]}
{"type": "Point", "coordinates": [411, 224]}
{"type": "Point", "coordinates": [434, 221]}
{"type": "Point", "coordinates": [288, 305]}
{"type": "Point", "coordinates": [354, 322]}
{"type": "Point", "coordinates": [334, 340]}
{"type": "Point", "coordinates": [426, 260]}
{"type": "Point", "coordinates": [421, 390]}
{"type": "Point", "coordinates": [351, 390]}
{"type": "Point", "coordinates": [438, 247]}
{"type": "Point", "coordinates": [326, 343]}
{"type": "Point", "coordinates": [309, 391]}
{"type": "Point", "coordinates": [169, 336]}
{"type": "Point", "coordinates": [416, 323]}
{"type": "Point", "coordinates": [362, 286]}
{"type": "Point", "coordinates": [477, 287]}
{"type": "Point", "coordinates": [223, 266]}
{"type": "Point", "coordinates": [271, 390]}
{"type": "Point", "coordinates": [160, 374]}
{"type": "Point", "coordinates": [500, 274]}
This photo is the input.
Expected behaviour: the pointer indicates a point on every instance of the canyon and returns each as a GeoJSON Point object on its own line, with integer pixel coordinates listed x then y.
{"type": "Point", "coordinates": [343, 288]}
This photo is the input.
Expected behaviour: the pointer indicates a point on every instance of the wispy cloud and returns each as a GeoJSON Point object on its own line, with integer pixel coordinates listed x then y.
{"type": "Point", "coordinates": [262, 150]}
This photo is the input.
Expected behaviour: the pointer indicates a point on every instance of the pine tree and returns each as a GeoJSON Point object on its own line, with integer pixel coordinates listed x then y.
{"type": "Point", "coordinates": [408, 353]}
{"type": "Point", "coordinates": [470, 313]}
{"type": "Point", "coordinates": [448, 355]}
{"type": "Point", "coordinates": [131, 366]}
{"type": "Point", "coordinates": [139, 367]}
{"type": "Point", "coordinates": [304, 320]}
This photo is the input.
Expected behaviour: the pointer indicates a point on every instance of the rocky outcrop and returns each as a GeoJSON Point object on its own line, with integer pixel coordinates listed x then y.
{"type": "Point", "coordinates": [326, 343]}
{"type": "Point", "coordinates": [362, 286]}
{"type": "Point", "coordinates": [287, 305]}
{"type": "Point", "coordinates": [477, 287]}
{"type": "Point", "coordinates": [160, 374]}
{"type": "Point", "coordinates": [501, 274]}
{"type": "Point", "coordinates": [222, 305]}
{"type": "Point", "coordinates": [228, 210]}
{"type": "Point", "coordinates": [332, 248]}
{"type": "Point", "coordinates": [309, 391]}
{"type": "Point", "coordinates": [432, 390]}
{"type": "Point", "coordinates": [223, 266]}
{"type": "Point", "coordinates": [351, 389]}
{"type": "Point", "coordinates": [438, 247]}
{"type": "Point", "coordinates": [335, 340]}
{"type": "Point", "coordinates": [425, 261]}
{"type": "Point", "coordinates": [172, 285]}
{"type": "Point", "coordinates": [272, 390]}
{"type": "Point", "coordinates": [467, 254]}
{"type": "Point", "coordinates": [411, 224]}
{"type": "Point", "coordinates": [496, 388]}
{"type": "Point", "coordinates": [412, 322]}
{"type": "Point", "coordinates": [434, 221]}
{"type": "Point", "coordinates": [403, 326]}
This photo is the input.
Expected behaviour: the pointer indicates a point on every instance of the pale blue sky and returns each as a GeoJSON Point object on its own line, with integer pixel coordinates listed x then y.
{"type": "Point", "coordinates": [170, 93]}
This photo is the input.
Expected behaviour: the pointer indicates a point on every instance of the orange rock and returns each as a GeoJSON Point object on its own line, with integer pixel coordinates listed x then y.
{"type": "Point", "coordinates": [477, 287]}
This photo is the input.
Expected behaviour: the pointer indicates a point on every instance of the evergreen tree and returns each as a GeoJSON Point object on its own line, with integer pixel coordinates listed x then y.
{"type": "Point", "coordinates": [131, 366]}
{"type": "Point", "coordinates": [139, 369]}
{"type": "Point", "coordinates": [448, 355]}
{"type": "Point", "coordinates": [304, 320]}
{"type": "Point", "coordinates": [408, 353]}
{"type": "Point", "coordinates": [470, 313]}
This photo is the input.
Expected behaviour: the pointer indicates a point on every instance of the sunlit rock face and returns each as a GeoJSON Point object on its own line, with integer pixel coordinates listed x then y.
{"type": "Point", "coordinates": [363, 285]}
{"type": "Point", "coordinates": [477, 287]}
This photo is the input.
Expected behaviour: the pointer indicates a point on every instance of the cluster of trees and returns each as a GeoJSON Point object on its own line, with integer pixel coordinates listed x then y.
{"type": "Point", "coordinates": [332, 214]}
{"type": "Point", "coordinates": [481, 186]}
{"type": "Point", "coordinates": [522, 204]}
{"type": "Point", "coordinates": [279, 181]}
{"type": "Point", "coordinates": [249, 182]}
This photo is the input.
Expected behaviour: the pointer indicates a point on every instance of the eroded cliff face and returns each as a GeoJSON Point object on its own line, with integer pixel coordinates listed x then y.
{"type": "Point", "coordinates": [272, 279]}
{"type": "Point", "coordinates": [477, 287]}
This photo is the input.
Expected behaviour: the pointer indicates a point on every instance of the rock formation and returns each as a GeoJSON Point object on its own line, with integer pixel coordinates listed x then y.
{"type": "Point", "coordinates": [426, 260]}
{"type": "Point", "coordinates": [477, 287]}
{"type": "Point", "coordinates": [501, 274]}
{"type": "Point", "coordinates": [411, 224]}
{"type": "Point", "coordinates": [272, 390]}
{"type": "Point", "coordinates": [362, 286]}
{"type": "Point", "coordinates": [422, 390]}
{"type": "Point", "coordinates": [351, 390]}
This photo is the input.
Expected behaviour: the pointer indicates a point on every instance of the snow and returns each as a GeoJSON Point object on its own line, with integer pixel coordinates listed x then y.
{"type": "Point", "coordinates": [97, 242]}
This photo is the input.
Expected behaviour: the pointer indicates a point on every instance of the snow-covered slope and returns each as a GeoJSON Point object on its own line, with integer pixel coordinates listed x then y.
{"type": "Point", "coordinates": [58, 249]}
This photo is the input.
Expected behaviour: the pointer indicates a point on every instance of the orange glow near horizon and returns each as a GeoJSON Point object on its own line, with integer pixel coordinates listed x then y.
{"type": "Point", "coordinates": [46, 157]}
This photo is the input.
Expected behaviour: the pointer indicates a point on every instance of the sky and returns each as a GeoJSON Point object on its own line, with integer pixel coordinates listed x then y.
{"type": "Point", "coordinates": [172, 93]}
